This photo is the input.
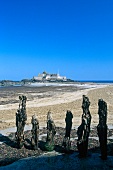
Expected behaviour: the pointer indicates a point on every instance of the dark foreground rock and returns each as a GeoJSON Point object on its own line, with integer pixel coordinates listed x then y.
{"type": "Point", "coordinates": [62, 162]}
{"type": "Point", "coordinates": [10, 153]}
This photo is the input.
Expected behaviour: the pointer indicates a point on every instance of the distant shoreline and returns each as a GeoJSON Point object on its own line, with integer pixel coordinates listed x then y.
{"type": "Point", "coordinates": [83, 85]}
{"type": "Point", "coordinates": [55, 83]}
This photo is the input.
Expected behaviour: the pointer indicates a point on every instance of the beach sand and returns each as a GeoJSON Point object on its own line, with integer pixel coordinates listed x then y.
{"type": "Point", "coordinates": [56, 99]}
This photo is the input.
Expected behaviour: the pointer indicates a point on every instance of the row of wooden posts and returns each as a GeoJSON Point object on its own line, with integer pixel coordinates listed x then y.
{"type": "Point", "coordinates": [82, 132]}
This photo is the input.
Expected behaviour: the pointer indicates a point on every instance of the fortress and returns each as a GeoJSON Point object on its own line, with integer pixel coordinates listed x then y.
{"type": "Point", "coordinates": [49, 77]}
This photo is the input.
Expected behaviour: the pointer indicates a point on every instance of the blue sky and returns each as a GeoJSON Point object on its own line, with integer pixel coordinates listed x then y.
{"type": "Point", "coordinates": [72, 36]}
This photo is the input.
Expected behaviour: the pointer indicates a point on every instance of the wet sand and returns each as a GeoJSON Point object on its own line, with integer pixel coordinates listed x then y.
{"type": "Point", "coordinates": [56, 99]}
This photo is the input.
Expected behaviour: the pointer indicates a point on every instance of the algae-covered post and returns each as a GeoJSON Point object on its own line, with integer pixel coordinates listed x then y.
{"type": "Point", "coordinates": [102, 127]}
{"type": "Point", "coordinates": [35, 132]}
{"type": "Point", "coordinates": [51, 131]}
{"type": "Point", "coordinates": [66, 141]}
{"type": "Point", "coordinates": [21, 118]}
{"type": "Point", "coordinates": [84, 129]}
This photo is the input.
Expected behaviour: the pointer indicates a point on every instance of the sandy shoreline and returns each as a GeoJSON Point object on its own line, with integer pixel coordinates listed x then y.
{"type": "Point", "coordinates": [56, 99]}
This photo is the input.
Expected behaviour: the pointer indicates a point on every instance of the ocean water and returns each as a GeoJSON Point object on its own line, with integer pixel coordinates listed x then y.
{"type": "Point", "coordinates": [97, 81]}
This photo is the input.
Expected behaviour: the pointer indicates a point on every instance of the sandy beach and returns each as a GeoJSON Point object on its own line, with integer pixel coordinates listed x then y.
{"type": "Point", "coordinates": [56, 99]}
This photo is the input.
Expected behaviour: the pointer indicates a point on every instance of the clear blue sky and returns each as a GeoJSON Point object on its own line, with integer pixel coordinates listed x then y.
{"type": "Point", "coordinates": [72, 36]}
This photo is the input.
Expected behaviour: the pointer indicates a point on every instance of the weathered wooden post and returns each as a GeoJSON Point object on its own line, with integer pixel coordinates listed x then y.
{"type": "Point", "coordinates": [102, 127]}
{"type": "Point", "coordinates": [51, 131]}
{"type": "Point", "coordinates": [66, 141]}
{"type": "Point", "coordinates": [35, 132]}
{"type": "Point", "coordinates": [84, 129]}
{"type": "Point", "coordinates": [21, 118]}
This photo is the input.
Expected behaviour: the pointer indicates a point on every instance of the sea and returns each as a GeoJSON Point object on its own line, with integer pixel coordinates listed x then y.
{"type": "Point", "coordinates": [97, 81]}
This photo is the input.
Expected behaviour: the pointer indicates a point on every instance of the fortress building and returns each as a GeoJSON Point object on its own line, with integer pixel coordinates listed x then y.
{"type": "Point", "coordinates": [49, 77]}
